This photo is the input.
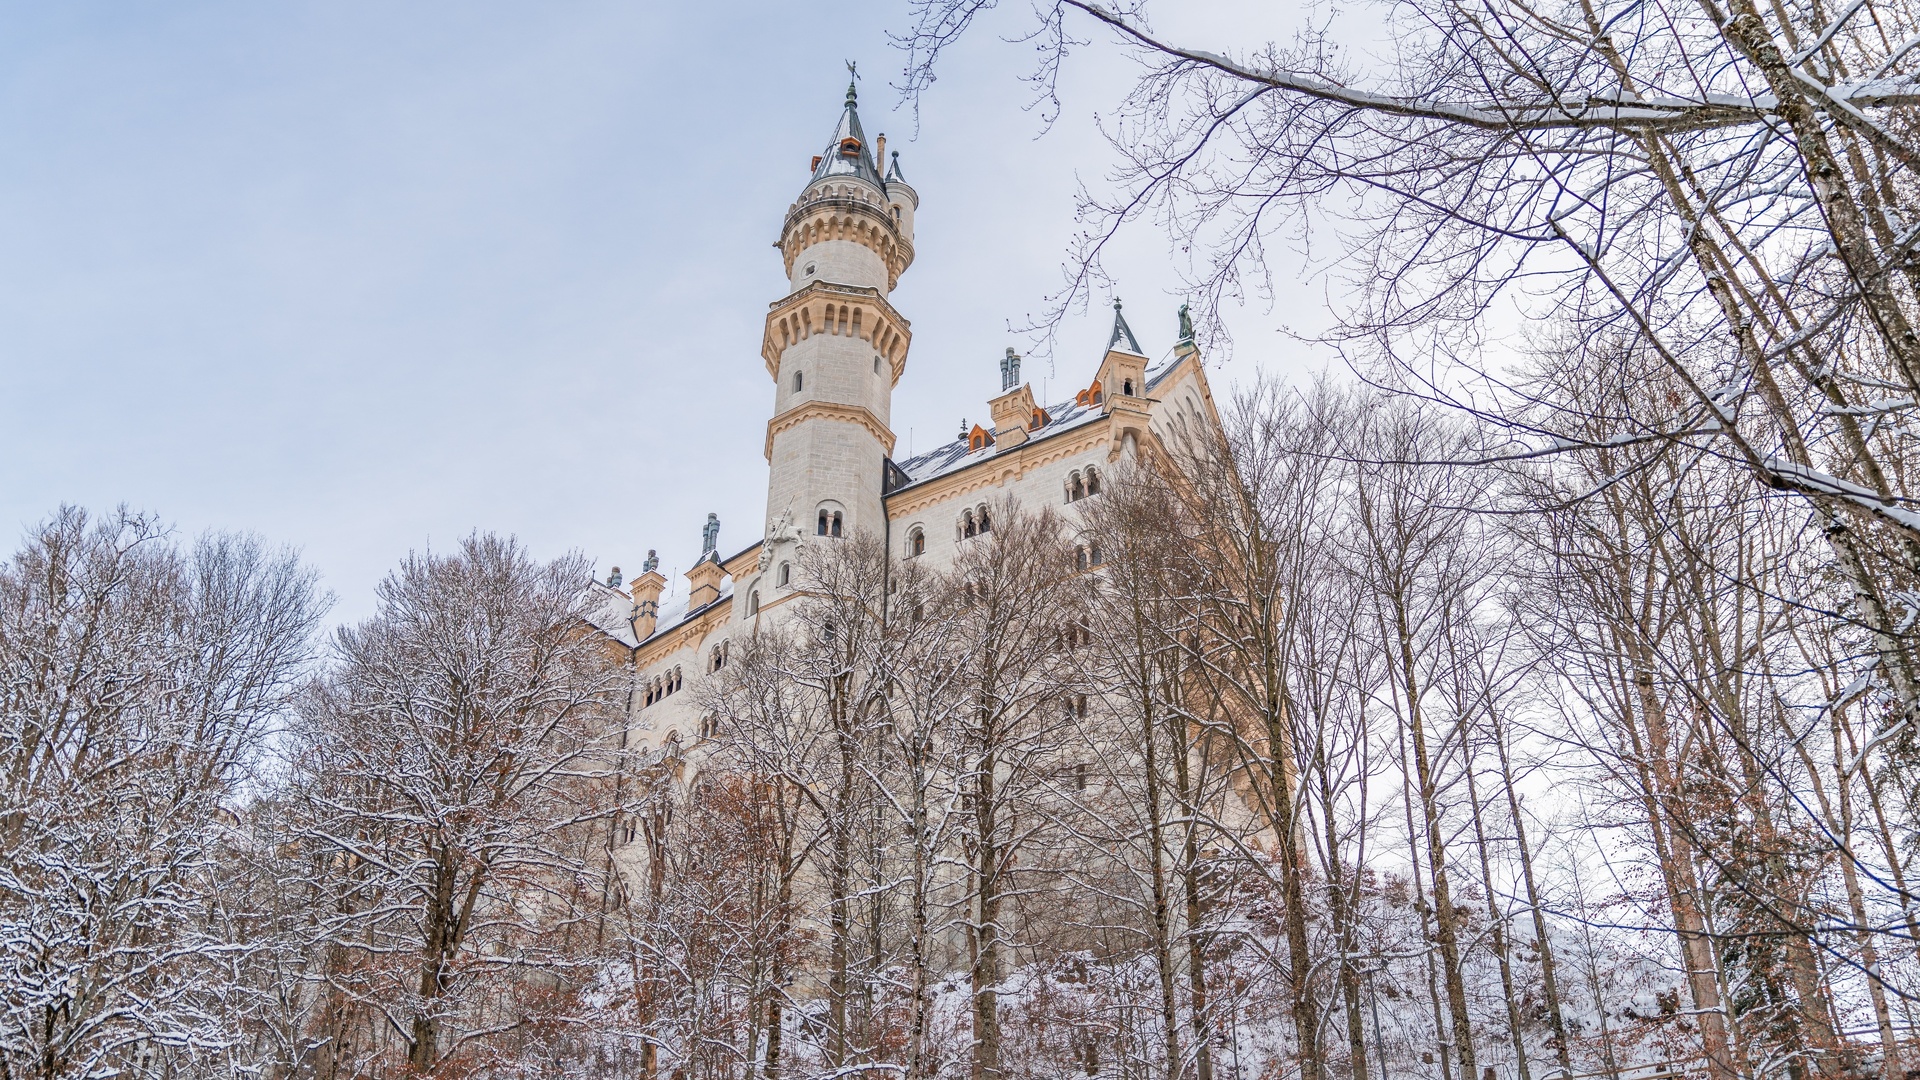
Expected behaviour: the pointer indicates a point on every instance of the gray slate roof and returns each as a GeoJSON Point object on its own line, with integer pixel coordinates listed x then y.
{"type": "Point", "coordinates": [1061, 418]}
{"type": "Point", "coordinates": [835, 163]}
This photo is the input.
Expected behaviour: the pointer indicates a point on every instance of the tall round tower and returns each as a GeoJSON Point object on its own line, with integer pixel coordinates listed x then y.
{"type": "Point", "coordinates": [834, 345]}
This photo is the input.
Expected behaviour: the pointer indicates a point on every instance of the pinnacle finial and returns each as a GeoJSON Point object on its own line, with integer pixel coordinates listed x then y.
{"type": "Point", "coordinates": [853, 74]}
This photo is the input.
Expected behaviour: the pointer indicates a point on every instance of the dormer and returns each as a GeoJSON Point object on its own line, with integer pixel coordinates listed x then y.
{"type": "Point", "coordinates": [978, 439]}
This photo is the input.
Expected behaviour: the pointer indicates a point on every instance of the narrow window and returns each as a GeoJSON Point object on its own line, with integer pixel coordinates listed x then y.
{"type": "Point", "coordinates": [1093, 482]}
{"type": "Point", "coordinates": [786, 573]}
{"type": "Point", "coordinates": [1080, 777]}
{"type": "Point", "coordinates": [753, 602]}
{"type": "Point", "coordinates": [986, 522]}
{"type": "Point", "coordinates": [836, 523]}
{"type": "Point", "coordinates": [1126, 387]}
{"type": "Point", "coordinates": [916, 543]}
{"type": "Point", "coordinates": [1093, 553]}
{"type": "Point", "coordinates": [1080, 557]}
{"type": "Point", "coordinates": [1076, 489]}
{"type": "Point", "coordinates": [821, 528]}
{"type": "Point", "coordinates": [967, 526]}
{"type": "Point", "coordinates": [876, 365]}
{"type": "Point", "coordinates": [799, 380]}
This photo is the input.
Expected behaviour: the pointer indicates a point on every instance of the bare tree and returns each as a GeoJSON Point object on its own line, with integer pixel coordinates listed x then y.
{"type": "Point", "coordinates": [446, 767]}
{"type": "Point", "coordinates": [137, 682]}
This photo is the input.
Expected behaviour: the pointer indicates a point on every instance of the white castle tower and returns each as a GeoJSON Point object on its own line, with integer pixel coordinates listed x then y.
{"type": "Point", "coordinates": [834, 345]}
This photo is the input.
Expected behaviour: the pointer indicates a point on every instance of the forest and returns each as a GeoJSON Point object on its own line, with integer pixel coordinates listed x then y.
{"type": "Point", "coordinates": [1530, 693]}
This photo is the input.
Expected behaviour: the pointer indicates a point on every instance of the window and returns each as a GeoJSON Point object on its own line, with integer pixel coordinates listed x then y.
{"type": "Point", "coordinates": [876, 365]}
{"type": "Point", "coordinates": [786, 574]}
{"type": "Point", "coordinates": [1076, 488]}
{"type": "Point", "coordinates": [919, 612]}
{"type": "Point", "coordinates": [753, 602]}
{"type": "Point", "coordinates": [1080, 777]}
{"type": "Point", "coordinates": [834, 525]}
{"type": "Point", "coordinates": [709, 726]}
{"type": "Point", "coordinates": [717, 660]}
{"type": "Point", "coordinates": [1093, 553]}
{"type": "Point", "coordinates": [968, 527]}
{"type": "Point", "coordinates": [986, 522]}
{"type": "Point", "coordinates": [809, 268]}
{"type": "Point", "coordinates": [1093, 481]}
{"type": "Point", "coordinates": [799, 380]}
{"type": "Point", "coordinates": [820, 528]}
{"type": "Point", "coordinates": [916, 543]}
{"type": "Point", "coordinates": [1080, 556]}
{"type": "Point", "coordinates": [1126, 387]}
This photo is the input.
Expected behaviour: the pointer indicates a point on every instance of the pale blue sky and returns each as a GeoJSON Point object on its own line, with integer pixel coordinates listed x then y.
{"type": "Point", "coordinates": [364, 277]}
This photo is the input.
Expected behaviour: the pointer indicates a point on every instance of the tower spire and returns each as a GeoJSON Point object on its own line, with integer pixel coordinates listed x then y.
{"type": "Point", "coordinates": [848, 152]}
{"type": "Point", "coordinates": [1122, 336]}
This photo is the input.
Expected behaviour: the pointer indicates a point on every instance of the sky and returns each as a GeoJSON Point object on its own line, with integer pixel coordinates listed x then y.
{"type": "Point", "coordinates": [363, 278]}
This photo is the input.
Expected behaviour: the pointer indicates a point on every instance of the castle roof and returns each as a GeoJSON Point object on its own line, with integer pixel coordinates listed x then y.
{"type": "Point", "coordinates": [847, 153]}
{"type": "Point", "coordinates": [1061, 418]}
{"type": "Point", "coordinates": [610, 611]}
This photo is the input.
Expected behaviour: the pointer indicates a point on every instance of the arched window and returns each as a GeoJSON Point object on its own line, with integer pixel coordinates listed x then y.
{"type": "Point", "coordinates": [714, 661]}
{"type": "Point", "coordinates": [799, 380]}
{"type": "Point", "coordinates": [1080, 557]}
{"type": "Point", "coordinates": [968, 527]}
{"type": "Point", "coordinates": [753, 602]}
{"type": "Point", "coordinates": [786, 574]}
{"type": "Point", "coordinates": [986, 521]}
{"type": "Point", "coordinates": [916, 543]}
{"type": "Point", "coordinates": [1076, 488]}
{"type": "Point", "coordinates": [1093, 553]}
{"type": "Point", "coordinates": [1093, 481]}
{"type": "Point", "coordinates": [1126, 387]}
{"type": "Point", "coordinates": [876, 365]}
{"type": "Point", "coordinates": [836, 523]}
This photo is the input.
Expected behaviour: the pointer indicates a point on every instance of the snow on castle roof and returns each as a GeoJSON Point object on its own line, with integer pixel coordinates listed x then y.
{"type": "Point", "coordinates": [1061, 418]}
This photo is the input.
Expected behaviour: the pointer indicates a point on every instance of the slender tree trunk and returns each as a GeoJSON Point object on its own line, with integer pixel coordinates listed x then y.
{"type": "Point", "coordinates": [1498, 926]}
{"type": "Point", "coordinates": [1157, 868]}
{"type": "Point", "coordinates": [1549, 976]}
{"type": "Point", "coordinates": [1445, 918]}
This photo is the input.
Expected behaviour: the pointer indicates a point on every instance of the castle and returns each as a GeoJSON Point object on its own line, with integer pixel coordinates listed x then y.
{"type": "Point", "coordinates": [835, 349]}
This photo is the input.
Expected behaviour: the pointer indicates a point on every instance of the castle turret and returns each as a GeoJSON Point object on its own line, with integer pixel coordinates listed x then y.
{"type": "Point", "coordinates": [834, 345]}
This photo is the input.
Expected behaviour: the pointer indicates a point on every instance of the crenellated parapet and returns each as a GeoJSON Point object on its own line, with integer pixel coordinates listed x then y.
{"type": "Point", "coordinates": [840, 310]}
{"type": "Point", "coordinates": [852, 211]}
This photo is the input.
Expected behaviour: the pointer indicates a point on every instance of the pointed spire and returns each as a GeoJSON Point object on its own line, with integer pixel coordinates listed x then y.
{"type": "Point", "coordinates": [1122, 333]}
{"type": "Point", "coordinates": [847, 153]}
{"type": "Point", "coordinates": [894, 175]}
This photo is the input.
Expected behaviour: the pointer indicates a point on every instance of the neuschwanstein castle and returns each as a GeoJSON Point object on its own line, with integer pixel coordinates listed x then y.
{"type": "Point", "coordinates": [836, 350]}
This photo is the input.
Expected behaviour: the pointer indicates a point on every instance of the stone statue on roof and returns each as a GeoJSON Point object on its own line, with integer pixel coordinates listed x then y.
{"type": "Point", "coordinates": [652, 563]}
{"type": "Point", "coordinates": [1186, 324]}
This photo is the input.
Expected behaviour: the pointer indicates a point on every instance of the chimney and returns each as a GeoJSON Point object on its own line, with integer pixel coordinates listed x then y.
{"type": "Point", "coordinates": [646, 597]}
{"type": "Point", "coordinates": [705, 576]}
{"type": "Point", "coordinates": [1013, 410]}
{"type": "Point", "coordinates": [880, 152]}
